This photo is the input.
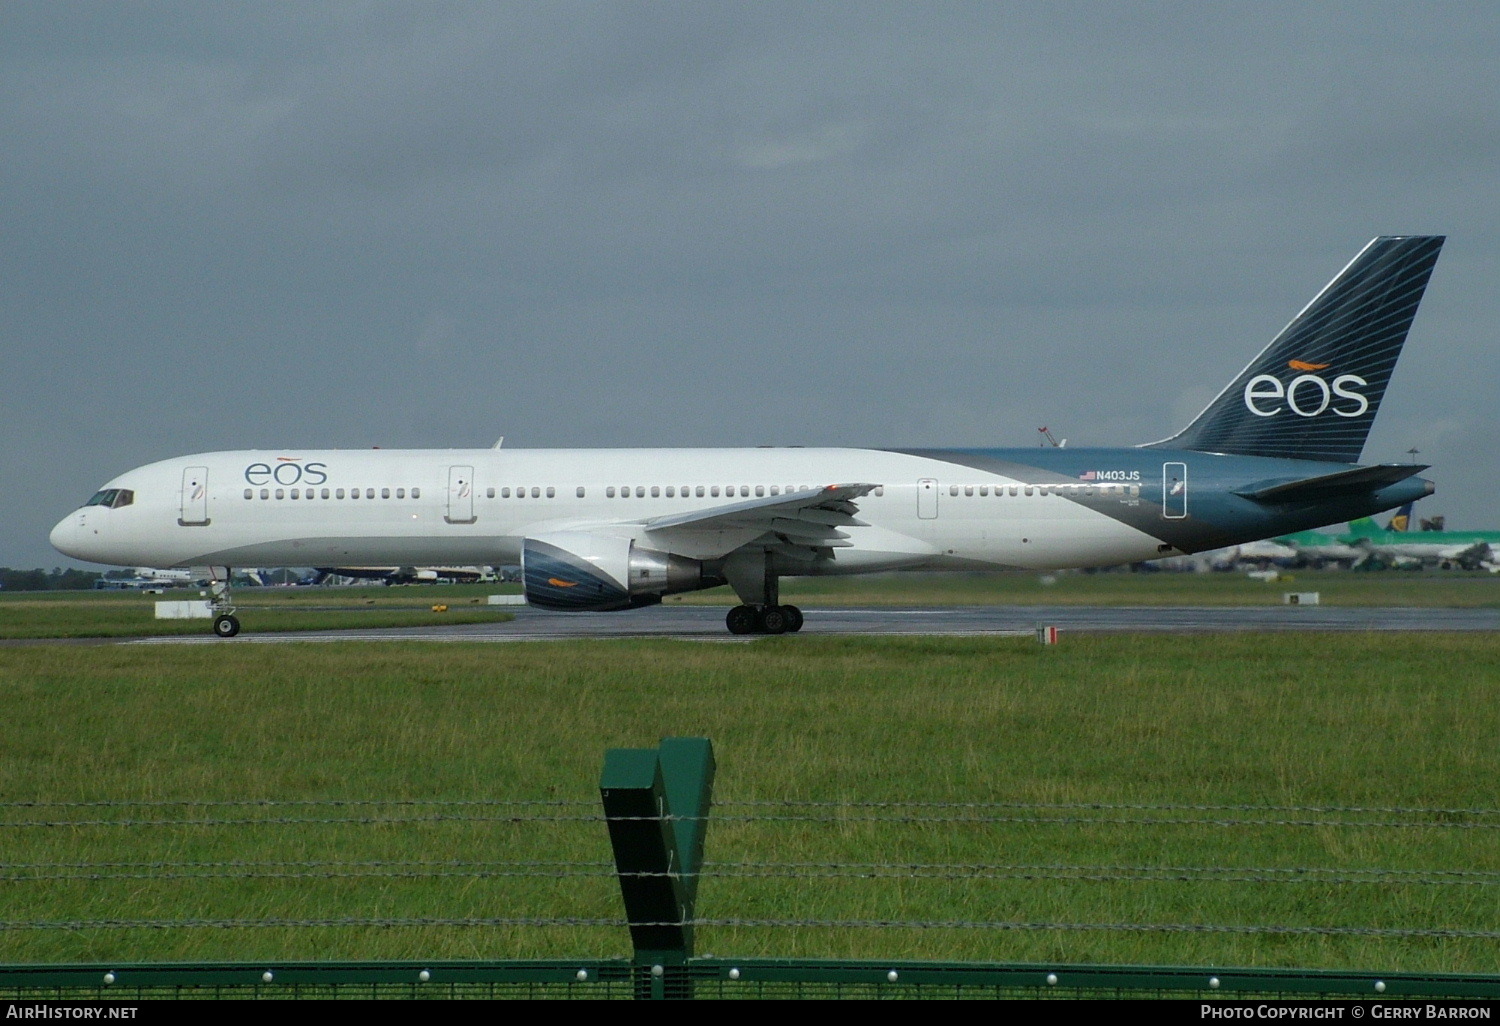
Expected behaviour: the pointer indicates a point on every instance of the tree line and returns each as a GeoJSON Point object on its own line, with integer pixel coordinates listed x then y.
{"type": "Point", "coordinates": [57, 579]}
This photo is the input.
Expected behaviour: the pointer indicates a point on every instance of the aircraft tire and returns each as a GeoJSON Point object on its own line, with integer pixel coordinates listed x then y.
{"type": "Point", "coordinates": [226, 626]}
{"type": "Point", "coordinates": [772, 620]}
{"type": "Point", "coordinates": [793, 619]}
{"type": "Point", "coordinates": [741, 620]}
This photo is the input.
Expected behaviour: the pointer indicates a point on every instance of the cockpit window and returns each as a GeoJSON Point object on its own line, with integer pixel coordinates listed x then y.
{"type": "Point", "coordinates": [112, 498]}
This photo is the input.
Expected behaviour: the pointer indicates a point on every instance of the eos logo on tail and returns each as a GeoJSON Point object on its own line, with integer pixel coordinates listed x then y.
{"type": "Point", "coordinates": [1306, 395]}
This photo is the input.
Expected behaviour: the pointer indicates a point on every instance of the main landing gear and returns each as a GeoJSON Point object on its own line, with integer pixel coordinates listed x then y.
{"type": "Point", "coordinates": [226, 624]}
{"type": "Point", "coordinates": [764, 620]}
{"type": "Point", "coordinates": [753, 577]}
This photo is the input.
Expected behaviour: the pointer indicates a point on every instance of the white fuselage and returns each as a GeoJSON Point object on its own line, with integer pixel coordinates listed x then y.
{"type": "Point", "coordinates": [475, 506]}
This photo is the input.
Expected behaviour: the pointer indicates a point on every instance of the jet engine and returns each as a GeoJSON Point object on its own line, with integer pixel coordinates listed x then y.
{"type": "Point", "coordinates": [574, 571]}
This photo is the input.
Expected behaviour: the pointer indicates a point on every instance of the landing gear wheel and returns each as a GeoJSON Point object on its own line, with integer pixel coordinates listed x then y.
{"type": "Point", "coordinates": [741, 620]}
{"type": "Point", "coordinates": [793, 619]}
{"type": "Point", "coordinates": [773, 620]}
{"type": "Point", "coordinates": [226, 626]}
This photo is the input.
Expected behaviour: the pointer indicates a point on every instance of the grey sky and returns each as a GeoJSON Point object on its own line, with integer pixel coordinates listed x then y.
{"type": "Point", "coordinates": [306, 225]}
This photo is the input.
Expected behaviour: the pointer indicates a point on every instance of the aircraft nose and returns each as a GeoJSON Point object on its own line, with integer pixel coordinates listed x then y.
{"type": "Point", "coordinates": [67, 536]}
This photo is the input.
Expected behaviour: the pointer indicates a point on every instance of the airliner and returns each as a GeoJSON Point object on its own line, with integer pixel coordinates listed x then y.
{"type": "Point", "coordinates": [612, 529]}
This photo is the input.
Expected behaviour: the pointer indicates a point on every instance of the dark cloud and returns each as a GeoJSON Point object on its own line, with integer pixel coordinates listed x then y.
{"type": "Point", "coordinates": [420, 224]}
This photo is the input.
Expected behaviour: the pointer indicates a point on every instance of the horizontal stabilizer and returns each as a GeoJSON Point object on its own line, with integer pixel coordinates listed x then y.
{"type": "Point", "coordinates": [1343, 482]}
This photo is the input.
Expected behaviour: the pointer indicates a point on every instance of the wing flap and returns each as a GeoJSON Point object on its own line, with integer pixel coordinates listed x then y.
{"type": "Point", "coordinates": [802, 525]}
{"type": "Point", "coordinates": [829, 507]}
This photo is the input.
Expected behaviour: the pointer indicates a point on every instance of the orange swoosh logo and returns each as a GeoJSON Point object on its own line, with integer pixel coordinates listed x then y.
{"type": "Point", "coordinates": [1303, 365]}
{"type": "Point", "coordinates": [561, 584]}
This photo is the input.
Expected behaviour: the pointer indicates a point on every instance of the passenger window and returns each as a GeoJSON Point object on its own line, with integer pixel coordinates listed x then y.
{"type": "Point", "coordinates": [296, 493]}
{"type": "Point", "coordinates": [640, 491]}
{"type": "Point", "coordinates": [969, 491]}
{"type": "Point", "coordinates": [385, 493]}
{"type": "Point", "coordinates": [953, 489]}
{"type": "Point", "coordinates": [325, 493]}
{"type": "Point", "coordinates": [401, 493]}
{"type": "Point", "coordinates": [699, 491]}
{"type": "Point", "coordinates": [744, 491]}
{"type": "Point", "coordinates": [551, 492]}
{"type": "Point", "coordinates": [416, 493]}
{"type": "Point", "coordinates": [249, 493]}
{"type": "Point", "coordinates": [489, 493]}
{"type": "Point", "coordinates": [339, 493]}
{"type": "Point", "coordinates": [280, 493]}
{"type": "Point", "coordinates": [714, 491]}
{"type": "Point", "coordinates": [609, 493]}
{"type": "Point", "coordinates": [580, 491]}
{"type": "Point", "coordinates": [760, 491]}
{"type": "Point", "coordinates": [880, 490]}
{"type": "Point", "coordinates": [656, 491]}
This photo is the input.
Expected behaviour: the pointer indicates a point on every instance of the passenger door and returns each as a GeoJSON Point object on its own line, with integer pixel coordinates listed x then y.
{"type": "Point", "coordinates": [1174, 491]}
{"type": "Point", "coordinates": [927, 498]}
{"type": "Point", "coordinates": [460, 495]}
{"type": "Point", "coordinates": [194, 507]}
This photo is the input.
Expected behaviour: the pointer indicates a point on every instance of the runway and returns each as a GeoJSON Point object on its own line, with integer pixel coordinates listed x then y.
{"type": "Point", "coordinates": [706, 623]}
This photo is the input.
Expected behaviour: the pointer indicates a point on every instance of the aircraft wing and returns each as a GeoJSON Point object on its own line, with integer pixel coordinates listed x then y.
{"type": "Point", "coordinates": [807, 520]}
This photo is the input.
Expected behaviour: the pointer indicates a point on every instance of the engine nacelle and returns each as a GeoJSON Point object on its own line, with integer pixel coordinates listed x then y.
{"type": "Point", "coordinates": [575, 571]}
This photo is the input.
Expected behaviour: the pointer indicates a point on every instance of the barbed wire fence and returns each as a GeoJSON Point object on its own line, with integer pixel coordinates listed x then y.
{"type": "Point", "coordinates": [254, 827]}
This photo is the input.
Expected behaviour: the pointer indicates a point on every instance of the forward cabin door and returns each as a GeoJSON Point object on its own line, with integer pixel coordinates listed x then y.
{"type": "Point", "coordinates": [927, 489]}
{"type": "Point", "coordinates": [460, 495]}
{"type": "Point", "coordinates": [194, 509]}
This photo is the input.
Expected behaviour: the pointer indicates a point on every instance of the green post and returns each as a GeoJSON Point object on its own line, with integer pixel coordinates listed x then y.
{"type": "Point", "coordinates": [656, 804]}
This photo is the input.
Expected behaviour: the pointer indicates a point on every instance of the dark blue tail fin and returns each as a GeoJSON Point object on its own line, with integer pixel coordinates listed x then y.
{"type": "Point", "coordinates": [1314, 392]}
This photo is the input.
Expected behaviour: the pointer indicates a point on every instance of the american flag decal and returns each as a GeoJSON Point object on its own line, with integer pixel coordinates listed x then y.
{"type": "Point", "coordinates": [1089, 475]}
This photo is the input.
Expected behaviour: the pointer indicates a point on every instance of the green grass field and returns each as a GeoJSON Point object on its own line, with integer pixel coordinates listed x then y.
{"type": "Point", "coordinates": [1022, 743]}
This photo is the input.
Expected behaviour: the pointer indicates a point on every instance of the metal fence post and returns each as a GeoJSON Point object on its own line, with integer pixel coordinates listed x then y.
{"type": "Point", "coordinates": [656, 802]}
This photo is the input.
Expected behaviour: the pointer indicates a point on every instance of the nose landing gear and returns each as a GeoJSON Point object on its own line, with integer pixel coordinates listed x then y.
{"type": "Point", "coordinates": [226, 624]}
